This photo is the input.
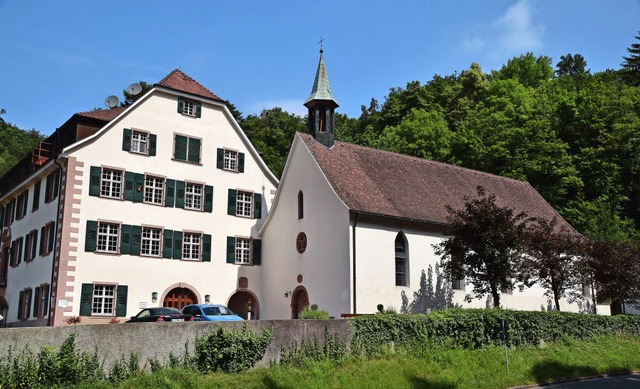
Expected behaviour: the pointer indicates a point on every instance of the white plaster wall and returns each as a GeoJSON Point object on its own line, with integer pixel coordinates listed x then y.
{"type": "Point", "coordinates": [37, 272]}
{"type": "Point", "coordinates": [158, 115]}
{"type": "Point", "coordinates": [325, 263]}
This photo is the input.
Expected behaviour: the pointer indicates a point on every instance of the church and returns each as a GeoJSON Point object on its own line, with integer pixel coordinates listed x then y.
{"type": "Point", "coordinates": [166, 202]}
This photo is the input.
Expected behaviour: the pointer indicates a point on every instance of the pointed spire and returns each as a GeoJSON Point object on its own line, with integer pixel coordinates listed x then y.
{"type": "Point", "coordinates": [321, 89]}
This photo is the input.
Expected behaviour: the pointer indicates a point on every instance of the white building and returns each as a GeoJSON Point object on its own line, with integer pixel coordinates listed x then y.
{"type": "Point", "coordinates": [158, 203]}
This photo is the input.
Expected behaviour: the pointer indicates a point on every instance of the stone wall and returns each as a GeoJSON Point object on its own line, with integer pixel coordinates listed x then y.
{"type": "Point", "coordinates": [157, 340]}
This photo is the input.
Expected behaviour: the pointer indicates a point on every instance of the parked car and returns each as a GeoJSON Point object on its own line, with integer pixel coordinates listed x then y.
{"type": "Point", "coordinates": [160, 314]}
{"type": "Point", "coordinates": [210, 312]}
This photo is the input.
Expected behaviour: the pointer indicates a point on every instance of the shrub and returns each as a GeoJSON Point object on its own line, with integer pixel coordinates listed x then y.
{"type": "Point", "coordinates": [313, 312]}
{"type": "Point", "coordinates": [230, 351]}
{"type": "Point", "coordinates": [331, 348]}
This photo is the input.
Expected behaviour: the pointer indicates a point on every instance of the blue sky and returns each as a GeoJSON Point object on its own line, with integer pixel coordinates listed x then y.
{"type": "Point", "coordinates": [62, 57]}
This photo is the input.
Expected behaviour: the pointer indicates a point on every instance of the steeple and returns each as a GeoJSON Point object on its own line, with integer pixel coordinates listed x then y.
{"type": "Point", "coordinates": [321, 105]}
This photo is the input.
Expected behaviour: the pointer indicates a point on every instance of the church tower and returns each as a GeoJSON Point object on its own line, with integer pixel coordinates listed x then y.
{"type": "Point", "coordinates": [321, 105]}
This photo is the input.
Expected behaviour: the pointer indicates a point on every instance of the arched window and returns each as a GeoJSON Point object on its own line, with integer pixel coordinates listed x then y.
{"type": "Point", "coordinates": [300, 205]}
{"type": "Point", "coordinates": [401, 260]}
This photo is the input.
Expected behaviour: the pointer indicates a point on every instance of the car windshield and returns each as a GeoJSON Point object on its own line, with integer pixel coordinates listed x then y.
{"type": "Point", "coordinates": [165, 311]}
{"type": "Point", "coordinates": [213, 311]}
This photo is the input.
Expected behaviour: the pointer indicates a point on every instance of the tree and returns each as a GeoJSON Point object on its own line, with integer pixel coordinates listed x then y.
{"type": "Point", "coordinates": [631, 64]}
{"type": "Point", "coordinates": [130, 99]}
{"type": "Point", "coordinates": [572, 66]}
{"type": "Point", "coordinates": [551, 259]}
{"type": "Point", "coordinates": [485, 245]}
{"type": "Point", "coordinates": [528, 69]}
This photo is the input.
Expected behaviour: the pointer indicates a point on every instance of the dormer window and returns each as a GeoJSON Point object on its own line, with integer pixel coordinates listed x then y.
{"type": "Point", "coordinates": [189, 107]}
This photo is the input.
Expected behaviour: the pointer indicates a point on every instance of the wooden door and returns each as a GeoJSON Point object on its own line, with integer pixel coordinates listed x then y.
{"type": "Point", "coordinates": [300, 300]}
{"type": "Point", "coordinates": [179, 297]}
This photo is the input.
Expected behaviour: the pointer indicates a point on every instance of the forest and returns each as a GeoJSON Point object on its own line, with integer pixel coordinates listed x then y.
{"type": "Point", "coordinates": [573, 134]}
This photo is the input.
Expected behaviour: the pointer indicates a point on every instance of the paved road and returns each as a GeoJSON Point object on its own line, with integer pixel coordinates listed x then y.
{"type": "Point", "coordinates": [626, 381]}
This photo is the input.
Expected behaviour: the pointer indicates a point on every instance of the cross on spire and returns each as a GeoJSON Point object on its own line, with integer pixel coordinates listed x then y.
{"type": "Point", "coordinates": [321, 42]}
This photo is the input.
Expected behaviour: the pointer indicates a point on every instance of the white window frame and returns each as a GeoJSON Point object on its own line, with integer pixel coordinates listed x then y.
{"type": "Point", "coordinates": [243, 251]}
{"type": "Point", "coordinates": [192, 246]}
{"type": "Point", "coordinates": [151, 241]}
{"type": "Point", "coordinates": [139, 142]}
{"type": "Point", "coordinates": [230, 160]}
{"type": "Point", "coordinates": [108, 237]}
{"type": "Point", "coordinates": [189, 108]}
{"type": "Point", "coordinates": [110, 184]}
{"type": "Point", "coordinates": [244, 203]}
{"type": "Point", "coordinates": [193, 196]}
{"type": "Point", "coordinates": [103, 300]}
{"type": "Point", "coordinates": [153, 189]}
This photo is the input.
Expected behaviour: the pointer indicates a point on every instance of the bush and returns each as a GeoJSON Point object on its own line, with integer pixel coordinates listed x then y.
{"type": "Point", "coordinates": [313, 312]}
{"type": "Point", "coordinates": [331, 348]}
{"type": "Point", "coordinates": [230, 351]}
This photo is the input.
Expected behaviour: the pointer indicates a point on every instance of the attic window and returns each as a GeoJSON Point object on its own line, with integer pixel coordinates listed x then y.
{"type": "Point", "coordinates": [189, 107]}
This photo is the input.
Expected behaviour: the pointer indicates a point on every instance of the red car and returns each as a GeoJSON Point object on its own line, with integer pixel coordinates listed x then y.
{"type": "Point", "coordinates": [160, 314]}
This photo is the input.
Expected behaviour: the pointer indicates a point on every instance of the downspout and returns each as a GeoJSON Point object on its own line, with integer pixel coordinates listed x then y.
{"type": "Point", "coordinates": [56, 242]}
{"type": "Point", "coordinates": [355, 221]}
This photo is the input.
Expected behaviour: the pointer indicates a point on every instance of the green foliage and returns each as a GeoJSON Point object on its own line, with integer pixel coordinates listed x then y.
{"type": "Point", "coordinates": [312, 312]}
{"type": "Point", "coordinates": [230, 351]}
{"type": "Point", "coordinates": [124, 368]}
{"type": "Point", "coordinates": [330, 348]}
{"type": "Point", "coordinates": [15, 144]}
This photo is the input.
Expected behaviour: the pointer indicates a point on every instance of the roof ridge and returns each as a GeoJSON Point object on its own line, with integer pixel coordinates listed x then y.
{"type": "Point", "coordinates": [179, 80]}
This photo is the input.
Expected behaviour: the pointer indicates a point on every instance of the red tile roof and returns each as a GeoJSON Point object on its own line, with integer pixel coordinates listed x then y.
{"type": "Point", "coordinates": [179, 81]}
{"type": "Point", "coordinates": [103, 114]}
{"type": "Point", "coordinates": [388, 184]}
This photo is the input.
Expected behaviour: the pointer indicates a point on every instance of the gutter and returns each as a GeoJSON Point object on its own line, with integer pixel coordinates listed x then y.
{"type": "Point", "coordinates": [56, 242]}
{"type": "Point", "coordinates": [355, 222]}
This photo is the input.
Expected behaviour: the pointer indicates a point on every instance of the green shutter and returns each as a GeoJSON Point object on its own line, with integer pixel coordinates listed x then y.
{"type": "Point", "coordinates": [94, 181]}
{"type": "Point", "coordinates": [136, 238]}
{"type": "Point", "coordinates": [86, 298]}
{"type": "Point", "coordinates": [231, 207]}
{"type": "Point", "coordinates": [125, 239]}
{"type": "Point", "coordinates": [241, 162]}
{"type": "Point", "coordinates": [153, 140]}
{"type": "Point", "coordinates": [138, 187]}
{"type": "Point", "coordinates": [121, 300]}
{"type": "Point", "coordinates": [167, 244]}
{"type": "Point", "coordinates": [257, 252]}
{"type": "Point", "coordinates": [180, 148]}
{"type": "Point", "coordinates": [206, 248]}
{"type": "Point", "coordinates": [91, 236]}
{"type": "Point", "coordinates": [26, 247]}
{"type": "Point", "coordinates": [170, 192]}
{"type": "Point", "coordinates": [51, 236]}
{"type": "Point", "coordinates": [42, 242]}
{"type": "Point", "coordinates": [198, 110]}
{"type": "Point", "coordinates": [128, 185]}
{"type": "Point", "coordinates": [126, 139]}
{"type": "Point", "coordinates": [180, 194]}
{"type": "Point", "coordinates": [34, 244]}
{"type": "Point", "coordinates": [194, 150]}
{"type": "Point", "coordinates": [180, 105]}
{"type": "Point", "coordinates": [29, 298]}
{"type": "Point", "coordinates": [220, 158]}
{"type": "Point", "coordinates": [20, 302]}
{"type": "Point", "coordinates": [177, 244]}
{"type": "Point", "coordinates": [36, 197]}
{"type": "Point", "coordinates": [45, 302]}
{"type": "Point", "coordinates": [257, 205]}
{"type": "Point", "coordinates": [208, 198]}
{"type": "Point", "coordinates": [36, 300]}
{"type": "Point", "coordinates": [231, 249]}
{"type": "Point", "coordinates": [19, 253]}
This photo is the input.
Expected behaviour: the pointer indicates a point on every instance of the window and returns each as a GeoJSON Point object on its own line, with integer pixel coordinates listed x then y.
{"type": "Point", "coordinates": [16, 252]}
{"type": "Point", "coordinates": [189, 107]}
{"type": "Point", "coordinates": [230, 160]}
{"type": "Point", "coordinates": [40, 302]}
{"type": "Point", "coordinates": [47, 235]}
{"type": "Point", "coordinates": [586, 291]}
{"type": "Point", "coordinates": [36, 197]}
{"type": "Point", "coordinates": [24, 304]}
{"type": "Point", "coordinates": [108, 237]}
{"type": "Point", "coordinates": [139, 142]}
{"type": "Point", "coordinates": [245, 204]}
{"type": "Point", "coordinates": [52, 186]}
{"type": "Point", "coordinates": [31, 246]}
{"type": "Point", "coordinates": [457, 283]}
{"type": "Point", "coordinates": [300, 205]}
{"type": "Point", "coordinates": [186, 148]}
{"type": "Point", "coordinates": [506, 290]}
{"type": "Point", "coordinates": [151, 241]}
{"type": "Point", "coordinates": [111, 183]}
{"type": "Point", "coordinates": [401, 260]}
{"type": "Point", "coordinates": [243, 250]}
{"type": "Point", "coordinates": [191, 246]}
{"type": "Point", "coordinates": [153, 190]}
{"type": "Point", "coordinates": [21, 204]}
{"type": "Point", "coordinates": [193, 196]}
{"type": "Point", "coordinates": [103, 300]}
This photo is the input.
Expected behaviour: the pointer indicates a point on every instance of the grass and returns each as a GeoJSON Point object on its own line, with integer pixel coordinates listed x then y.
{"type": "Point", "coordinates": [427, 367]}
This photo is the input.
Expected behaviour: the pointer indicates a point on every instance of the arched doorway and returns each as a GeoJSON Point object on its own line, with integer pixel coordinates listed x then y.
{"type": "Point", "coordinates": [179, 297]}
{"type": "Point", "coordinates": [243, 302]}
{"type": "Point", "coordinates": [299, 300]}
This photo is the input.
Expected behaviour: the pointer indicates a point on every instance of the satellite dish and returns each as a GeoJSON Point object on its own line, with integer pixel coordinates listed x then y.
{"type": "Point", "coordinates": [134, 88]}
{"type": "Point", "coordinates": [111, 101]}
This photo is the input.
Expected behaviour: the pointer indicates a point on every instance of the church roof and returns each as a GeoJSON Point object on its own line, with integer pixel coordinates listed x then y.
{"type": "Point", "coordinates": [388, 184]}
{"type": "Point", "coordinates": [177, 80]}
{"type": "Point", "coordinates": [321, 89]}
